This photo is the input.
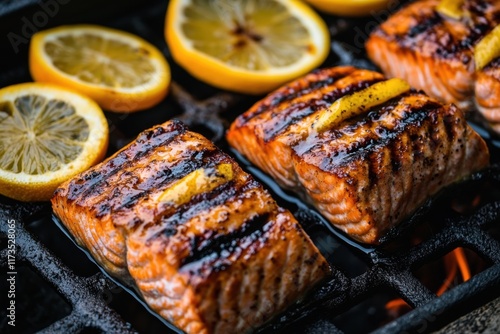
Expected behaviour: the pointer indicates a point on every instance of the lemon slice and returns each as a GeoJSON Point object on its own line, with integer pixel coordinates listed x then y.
{"type": "Point", "coordinates": [487, 49]}
{"type": "Point", "coordinates": [451, 8]}
{"type": "Point", "coordinates": [360, 102]}
{"type": "Point", "coordinates": [47, 135]}
{"type": "Point", "coordinates": [120, 71]}
{"type": "Point", "coordinates": [197, 182]}
{"type": "Point", "coordinates": [249, 47]}
{"type": "Point", "coordinates": [353, 8]}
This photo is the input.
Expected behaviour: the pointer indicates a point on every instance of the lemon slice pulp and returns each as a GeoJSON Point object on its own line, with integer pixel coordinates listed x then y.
{"type": "Point", "coordinates": [39, 135]}
{"type": "Point", "coordinates": [47, 135]}
{"type": "Point", "coordinates": [246, 46]}
{"type": "Point", "coordinates": [120, 71]}
{"type": "Point", "coordinates": [95, 60]}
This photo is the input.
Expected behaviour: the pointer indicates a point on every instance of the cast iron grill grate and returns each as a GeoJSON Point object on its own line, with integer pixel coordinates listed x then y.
{"type": "Point", "coordinates": [89, 308]}
{"type": "Point", "coordinates": [209, 111]}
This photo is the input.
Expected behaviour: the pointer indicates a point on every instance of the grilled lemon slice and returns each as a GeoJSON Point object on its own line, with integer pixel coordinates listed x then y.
{"type": "Point", "coordinates": [120, 71]}
{"type": "Point", "coordinates": [487, 49]}
{"type": "Point", "coordinates": [47, 135]}
{"type": "Point", "coordinates": [250, 47]}
{"type": "Point", "coordinates": [360, 102]}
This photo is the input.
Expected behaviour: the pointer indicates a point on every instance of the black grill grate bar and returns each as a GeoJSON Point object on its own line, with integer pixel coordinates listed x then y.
{"type": "Point", "coordinates": [70, 324]}
{"type": "Point", "coordinates": [393, 269]}
{"type": "Point", "coordinates": [407, 286]}
{"type": "Point", "coordinates": [89, 310]}
{"type": "Point", "coordinates": [489, 248]}
{"type": "Point", "coordinates": [421, 318]}
{"type": "Point", "coordinates": [323, 326]}
{"type": "Point", "coordinates": [204, 113]}
{"type": "Point", "coordinates": [458, 232]}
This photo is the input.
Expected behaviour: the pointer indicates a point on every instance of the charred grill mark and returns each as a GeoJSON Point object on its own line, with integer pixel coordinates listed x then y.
{"type": "Point", "coordinates": [477, 7]}
{"type": "Point", "coordinates": [431, 130]}
{"type": "Point", "coordinates": [220, 247]}
{"type": "Point", "coordinates": [450, 122]}
{"type": "Point", "coordinates": [90, 183]}
{"type": "Point", "coordinates": [447, 125]}
{"type": "Point", "coordinates": [171, 217]}
{"type": "Point", "coordinates": [483, 10]}
{"type": "Point", "coordinates": [201, 202]}
{"type": "Point", "coordinates": [372, 171]}
{"type": "Point", "coordinates": [377, 183]}
{"type": "Point", "coordinates": [280, 122]}
{"type": "Point", "coordinates": [424, 24]}
{"type": "Point", "coordinates": [396, 156]}
{"type": "Point", "coordinates": [292, 92]}
{"type": "Point", "coordinates": [361, 148]}
{"type": "Point", "coordinates": [431, 27]}
{"type": "Point", "coordinates": [129, 196]}
{"type": "Point", "coordinates": [494, 64]}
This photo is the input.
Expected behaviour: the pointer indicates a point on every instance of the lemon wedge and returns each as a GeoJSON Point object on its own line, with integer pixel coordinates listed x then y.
{"type": "Point", "coordinates": [249, 47]}
{"type": "Point", "coordinates": [360, 102]}
{"type": "Point", "coordinates": [47, 135]}
{"type": "Point", "coordinates": [451, 8]}
{"type": "Point", "coordinates": [120, 71]}
{"type": "Point", "coordinates": [487, 49]}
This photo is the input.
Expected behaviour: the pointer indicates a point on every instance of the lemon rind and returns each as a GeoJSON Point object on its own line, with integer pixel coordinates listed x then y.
{"type": "Point", "coordinates": [27, 187]}
{"type": "Point", "coordinates": [120, 99]}
{"type": "Point", "coordinates": [222, 75]}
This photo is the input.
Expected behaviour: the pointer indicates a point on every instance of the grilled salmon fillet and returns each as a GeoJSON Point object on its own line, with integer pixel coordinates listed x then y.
{"type": "Point", "coordinates": [487, 93]}
{"type": "Point", "coordinates": [369, 172]}
{"type": "Point", "coordinates": [205, 245]}
{"type": "Point", "coordinates": [436, 53]}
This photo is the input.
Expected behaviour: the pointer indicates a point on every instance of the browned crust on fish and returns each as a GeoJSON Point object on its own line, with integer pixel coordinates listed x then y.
{"type": "Point", "coordinates": [271, 127]}
{"type": "Point", "coordinates": [226, 261]}
{"type": "Point", "coordinates": [487, 93]}
{"type": "Point", "coordinates": [372, 171]}
{"type": "Point", "coordinates": [436, 54]}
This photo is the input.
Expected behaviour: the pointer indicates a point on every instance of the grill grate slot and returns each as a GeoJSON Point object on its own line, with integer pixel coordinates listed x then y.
{"type": "Point", "coordinates": [89, 310]}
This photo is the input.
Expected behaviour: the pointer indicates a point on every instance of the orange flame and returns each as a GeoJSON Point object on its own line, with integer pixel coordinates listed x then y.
{"type": "Point", "coordinates": [454, 261]}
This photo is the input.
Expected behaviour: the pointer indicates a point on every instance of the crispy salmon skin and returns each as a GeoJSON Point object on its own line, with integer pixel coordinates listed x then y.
{"type": "Point", "coordinates": [203, 242]}
{"type": "Point", "coordinates": [369, 172]}
{"type": "Point", "coordinates": [435, 53]}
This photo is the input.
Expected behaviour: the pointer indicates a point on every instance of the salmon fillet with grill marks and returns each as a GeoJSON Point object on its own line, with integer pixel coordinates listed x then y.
{"type": "Point", "coordinates": [369, 172]}
{"type": "Point", "coordinates": [487, 90]}
{"type": "Point", "coordinates": [436, 54]}
{"type": "Point", "coordinates": [203, 242]}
